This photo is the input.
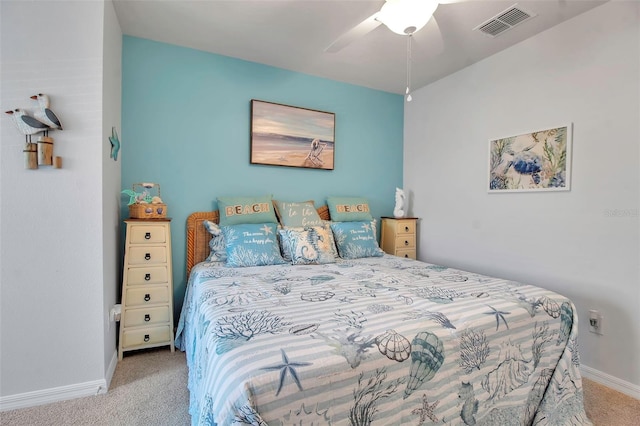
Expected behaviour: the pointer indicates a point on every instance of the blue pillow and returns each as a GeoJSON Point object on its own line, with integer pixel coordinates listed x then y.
{"type": "Point", "coordinates": [237, 210]}
{"type": "Point", "coordinates": [308, 246]}
{"type": "Point", "coordinates": [252, 244]}
{"type": "Point", "coordinates": [356, 239]}
{"type": "Point", "coordinates": [349, 209]}
{"type": "Point", "coordinates": [217, 247]}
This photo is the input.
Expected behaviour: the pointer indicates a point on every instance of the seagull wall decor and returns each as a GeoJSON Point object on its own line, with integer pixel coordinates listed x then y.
{"type": "Point", "coordinates": [42, 120]}
{"type": "Point", "coordinates": [45, 114]}
{"type": "Point", "coordinates": [26, 124]}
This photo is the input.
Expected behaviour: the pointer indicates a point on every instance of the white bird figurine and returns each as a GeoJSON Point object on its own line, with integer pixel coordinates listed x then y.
{"type": "Point", "coordinates": [44, 114]}
{"type": "Point", "coordinates": [26, 124]}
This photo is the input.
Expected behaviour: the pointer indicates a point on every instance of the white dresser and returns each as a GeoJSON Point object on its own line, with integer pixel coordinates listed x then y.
{"type": "Point", "coordinates": [147, 290]}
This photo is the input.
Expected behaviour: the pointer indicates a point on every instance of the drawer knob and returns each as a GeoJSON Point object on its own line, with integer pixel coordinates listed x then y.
{"type": "Point", "coordinates": [147, 277]}
{"type": "Point", "coordinates": [147, 236]}
{"type": "Point", "coordinates": [406, 243]}
{"type": "Point", "coordinates": [147, 297]}
{"type": "Point", "coordinates": [406, 229]}
{"type": "Point", "coordinates": [146, 337]}
{"type": "Point", "coordinates": [147, 256]}
{"type": "Point", "coordinates": [147, 317]}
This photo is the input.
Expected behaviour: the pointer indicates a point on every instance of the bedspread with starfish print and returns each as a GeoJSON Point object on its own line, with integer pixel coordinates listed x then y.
{"type": "Point", "coordinates": [377, 341]}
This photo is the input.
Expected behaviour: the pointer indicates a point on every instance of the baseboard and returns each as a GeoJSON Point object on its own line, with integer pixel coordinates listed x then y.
{"type": "Point", "coordinates": [62, 393]}
{"type": "Point", "coordinates": [610, 381]}
{"type": "Point", "coordinates": [47, 396]}
{"type": "Point", "coordinates": [111, 370]}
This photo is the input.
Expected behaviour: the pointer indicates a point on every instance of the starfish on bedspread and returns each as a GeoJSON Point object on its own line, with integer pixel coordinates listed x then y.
{"type": "Point", "coordinates": [499, 316]}
{"type": "Point", "coordinates": [426, 411]}
{"type": "Point", "coordinates": [287, 366]}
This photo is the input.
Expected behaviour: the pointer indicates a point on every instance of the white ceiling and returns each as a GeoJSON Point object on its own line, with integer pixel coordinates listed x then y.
{"type": "Point", "coordinates": [293, 34]}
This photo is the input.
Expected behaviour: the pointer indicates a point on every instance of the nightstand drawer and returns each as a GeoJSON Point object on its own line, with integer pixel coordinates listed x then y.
{"type": "Point", "coordinates": [146, 296]}
{"type": "Point", "coordinates": [405, 227]}
{"type": "Point", "coordinates": [147, 255]}
{"type": "Point", "coordinates": [146, 336]}
{"type": "Point", "coordinates": [147, 275]}
{"type": "Point", "coordinates": [405, 242]}
{"type": "Point", "coordinates": [148, 234]}
{"type": "Point", "coordinates": [408, 253]}
{"type": "Point", "coordinates": [142, 316]}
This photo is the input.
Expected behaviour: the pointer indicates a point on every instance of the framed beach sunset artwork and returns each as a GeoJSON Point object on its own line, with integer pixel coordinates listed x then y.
{"type": "Point", "coordinates": [289, 136]}
{"type": "Point", "coordinates": [535, 161]}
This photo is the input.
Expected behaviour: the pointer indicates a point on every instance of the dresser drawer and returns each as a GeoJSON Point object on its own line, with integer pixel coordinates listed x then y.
{"type": "Point", "coordinates": [147, 296]}
{"type": "Point", "coordinates": [405, 227]}
{"type": "Point", "coordinates": [408, 253]}
{"type": "Point", "coordinates": [147, 275]}
{"type": "Point", "coordinates": [143, 316]}
{"type": "Point", "coordinates": [147, 255]}
{"type": "Point", "coordinates": [148, 234]}
{"type": "Point", "coordinates": [146, 336]}
{"type": "Point", "coordinates": [405, 242]}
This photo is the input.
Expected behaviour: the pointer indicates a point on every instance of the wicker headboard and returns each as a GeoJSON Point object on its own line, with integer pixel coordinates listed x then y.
{"type": "Point", "coordinates": [198, 237]}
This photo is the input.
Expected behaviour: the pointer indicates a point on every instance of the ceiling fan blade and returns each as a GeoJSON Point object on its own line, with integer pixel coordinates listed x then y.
{"type": "Point", "coordinates": [354, 33]}
{"type": "Point", "coordinates": [456, 1]}
{"type": "Point", "coordinates": [433, 37]}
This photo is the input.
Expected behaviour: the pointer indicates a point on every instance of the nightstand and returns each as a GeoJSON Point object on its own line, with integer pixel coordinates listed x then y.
{"type": "Point", "coordinates": [147, 291]}
{"type": "Point", "coordinates": [398, 236]}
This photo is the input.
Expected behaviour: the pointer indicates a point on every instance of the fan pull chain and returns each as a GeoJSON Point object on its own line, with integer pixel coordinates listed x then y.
{"type": "Point", "coordinates": [408, 91]}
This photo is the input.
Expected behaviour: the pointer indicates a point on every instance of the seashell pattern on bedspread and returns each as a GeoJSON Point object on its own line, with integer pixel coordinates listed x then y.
{"type": "Point", "coordinates": [377, 341]}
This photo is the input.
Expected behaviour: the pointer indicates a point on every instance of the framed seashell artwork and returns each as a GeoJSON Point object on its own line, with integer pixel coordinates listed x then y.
{"type": "Point", "coordinates": [534, 161]}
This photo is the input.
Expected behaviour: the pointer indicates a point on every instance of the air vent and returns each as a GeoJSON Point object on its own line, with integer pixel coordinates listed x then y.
{"type": "Point", "coordinates": [504, 21]}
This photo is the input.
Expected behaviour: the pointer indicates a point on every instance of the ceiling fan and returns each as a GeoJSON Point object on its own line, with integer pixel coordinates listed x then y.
{"type": "Point", "coordinates": [404, 17]}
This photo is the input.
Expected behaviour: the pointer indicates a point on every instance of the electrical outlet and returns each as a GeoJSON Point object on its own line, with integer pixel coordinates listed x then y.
{"type": "Point", "coordinates": [116, 312]}
{"type": "Point", "coordinates": [595, 322]}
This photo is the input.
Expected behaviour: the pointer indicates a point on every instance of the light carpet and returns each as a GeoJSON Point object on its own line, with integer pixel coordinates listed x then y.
{"type": "Point", "coordinates": [150, 388]}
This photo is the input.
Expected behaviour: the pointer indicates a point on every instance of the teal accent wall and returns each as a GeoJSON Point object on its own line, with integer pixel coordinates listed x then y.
{"type": "Point", "coordinates": [186, 126]}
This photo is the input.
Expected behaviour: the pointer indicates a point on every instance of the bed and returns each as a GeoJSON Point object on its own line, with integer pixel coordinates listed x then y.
{"type": "Point", "coordinates": [375, 340]}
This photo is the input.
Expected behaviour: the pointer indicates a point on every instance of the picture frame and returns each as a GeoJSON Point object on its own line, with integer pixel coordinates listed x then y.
{"type": "Point", "coordinates": [290, 136]}
{"type": "Point", "coordinates": [533, 161]}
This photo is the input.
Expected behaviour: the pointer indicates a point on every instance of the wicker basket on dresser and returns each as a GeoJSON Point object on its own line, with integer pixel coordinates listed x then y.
{"type": "Point", "coordinates": [398, 236]}
{"type": "Point", "coordinates": [147, 290]}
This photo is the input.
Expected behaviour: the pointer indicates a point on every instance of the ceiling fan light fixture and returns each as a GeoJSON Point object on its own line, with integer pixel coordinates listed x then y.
{"type": "Point", "coordinates": [406, 17]}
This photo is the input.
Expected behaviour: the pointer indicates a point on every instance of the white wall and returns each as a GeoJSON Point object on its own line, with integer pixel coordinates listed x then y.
{"type": "Point", "coordinates": [58, 244]}
{"type": "Point", "coordinates": [111, 187]}
{"type": "Point", "coordinates": [585, 71]}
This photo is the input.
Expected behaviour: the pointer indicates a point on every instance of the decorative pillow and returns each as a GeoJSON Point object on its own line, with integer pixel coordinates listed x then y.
{"type": "Point", "coordinates": [328, 242]}
{"type": "Point", "coordinates": [217, 246]}
{"type": "Point", "coordinates": [237, 210]}
{"type": "Point", "coordinates": [297, 214]}
{"type": "Point", "coordinates": [252, 244]}
{"type": "Point", "coordinates": [356, 239]}
{"type": "Point", "coordinates": [306, 246]}
{"type": "Point", "coordinates": [349, 209]}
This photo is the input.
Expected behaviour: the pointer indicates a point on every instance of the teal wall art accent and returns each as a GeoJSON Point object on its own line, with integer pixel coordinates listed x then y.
{"type": "Point", "coordinates": [186, 118]}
